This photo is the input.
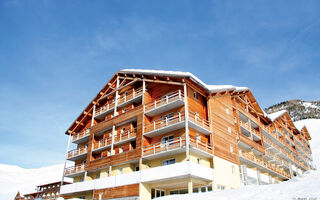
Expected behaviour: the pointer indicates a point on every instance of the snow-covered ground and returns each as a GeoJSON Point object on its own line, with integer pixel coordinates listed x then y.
{"type": "Point", "coordinates": [14, 178]}
{"type": "Point", "coordinates": [305, 187]}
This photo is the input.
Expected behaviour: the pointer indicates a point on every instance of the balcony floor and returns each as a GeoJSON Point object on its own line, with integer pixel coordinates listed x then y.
{"type": "Point", "coordinates": [78, 157]}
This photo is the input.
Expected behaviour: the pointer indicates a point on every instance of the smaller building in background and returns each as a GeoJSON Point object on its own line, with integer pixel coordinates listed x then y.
{"type": "Point", "coordinates": [48, 191]}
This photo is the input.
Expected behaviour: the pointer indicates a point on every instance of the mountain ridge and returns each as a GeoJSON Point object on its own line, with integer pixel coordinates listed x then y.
{"type": "Point", "coordinates": [298, 109]}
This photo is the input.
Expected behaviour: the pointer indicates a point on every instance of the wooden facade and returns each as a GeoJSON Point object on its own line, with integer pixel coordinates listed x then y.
{"type": "Point", "coordinates": [141, 117]}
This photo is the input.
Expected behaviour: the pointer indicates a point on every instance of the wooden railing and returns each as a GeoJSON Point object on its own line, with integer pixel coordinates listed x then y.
{"type": "Point", "coordinates": [77, 152]}
{"type": "Point", "coordinates": [125, 135]}
{"type": "Point", "coordinates": [74, 169]}
{"type": "Point", "coordinates": [104, 108]}
{"type": "Point", "coordinates": [263, 163]}
{"type": "Point", "coordinates": [131, 95]}
{"type": "Point", "coordinates": [102, 143]}
{"type": "Point", "coordinates": [199, 144]}
{"type": "Point", "coordinates": [175, 143]}
{"type": "Point", "coordinates": [199, 120]}
{"type": "Point", "coordinates": [81, 134]}
{"type": "Point", "coordinates": [164, 100]}
{"type": "Point", "coordinates": [244, 124]}
{"type": "Point", "coordinates": [178, 117]}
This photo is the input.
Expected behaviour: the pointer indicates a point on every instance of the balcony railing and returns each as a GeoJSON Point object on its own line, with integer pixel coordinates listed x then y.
{"type": "Point", "coordinates": [164, 100]}
{"type": "Point", "coordinates": [263, 163]}
{"type": "Point", "coordinates": [81, 135]}
{"type": "Point", "coordinates": [193, 117]}
{"type": "Point", "coordinates": [200, 144]}
{"type": "Point", "coordinates": [77, 152]}
{"type": "Point", "coordinates": [74, 170]}
{"type": "Point", "coordinates": [175, 143]}
{"type": "Point", "coordinates": [126, 135]}
{"type": "Point", "coordinates": [102, 143]}
{"type": "Point", "coordinates": [161, 123]}
{"type": "Point", "coordinates": [103, 109]}
{"type": "Point", "coordinates": [131, 95]}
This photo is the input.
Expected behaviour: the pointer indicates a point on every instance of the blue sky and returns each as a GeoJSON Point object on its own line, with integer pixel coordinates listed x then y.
{"type": "Point", "coordinates": [56, 55]}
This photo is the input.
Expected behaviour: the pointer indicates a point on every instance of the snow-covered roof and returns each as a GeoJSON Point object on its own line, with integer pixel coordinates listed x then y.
{"type": "Point", "coordinates": [210, 88]}
{"type": "Point", "coordinates": [276, 115]}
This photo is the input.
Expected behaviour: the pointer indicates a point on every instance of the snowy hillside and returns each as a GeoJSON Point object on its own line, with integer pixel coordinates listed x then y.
{"type": "Point", "coordinates": [14, 178]}
{"type": "Point", "coordinates": [307, 186]}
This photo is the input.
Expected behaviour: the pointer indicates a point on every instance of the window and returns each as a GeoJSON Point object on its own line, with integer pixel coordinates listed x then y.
{"type": "Point", "coordinates": [81, 179]}
{"type": "Point", "coordinates": [136, 168]}
{"type": "Point", "coordinates": [98, 175]}
{"type": "Point", "coordinates": [167, 140]}
{"type": "Point", "coordinates": [124, 110]}
{"type": "Point", "coordinates": [82, 197]}
{"type": "Point", "coordinates": [198, 160]}
{"type": "Point", "coordinates": [123, 130]}
{"type": "Point", "coordinates": [157, 193]}
{"type": "Point", "coordinates": [195, 95]}
{"type": "Point", "coordinates": [182, 191]}
{"type": "Point", "coordinates": [121, 170]}
{"type": "Point", "coordinates": [120, 149]}
{"type": "Point", "coordinates": [168, 162]}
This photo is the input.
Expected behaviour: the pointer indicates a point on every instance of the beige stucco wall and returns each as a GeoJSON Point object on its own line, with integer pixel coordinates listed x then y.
{"type": "Point", "coordinates": [223, 173]}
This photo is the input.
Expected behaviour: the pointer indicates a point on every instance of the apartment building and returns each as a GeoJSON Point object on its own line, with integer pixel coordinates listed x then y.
{"type": "Point", "coordinates": [150, 133]}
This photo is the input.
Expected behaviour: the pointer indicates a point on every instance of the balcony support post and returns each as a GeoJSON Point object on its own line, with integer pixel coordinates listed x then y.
{"type": "Point", "coordinates": [93, 114]}
{"type": "Point", "coordinates": [186, 119]}
{"type": "Point", "coordinates": [190, 186]}
{"type": "Point", "coordinates": [116, 98]}
{"type": "Point", "coordinates": [112, 138]}
{"type": "Point", "coordinates": [65, 161]}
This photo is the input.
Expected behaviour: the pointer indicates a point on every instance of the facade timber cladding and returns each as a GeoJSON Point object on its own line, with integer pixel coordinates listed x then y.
{"type": "Point", "coordinates": [151, 133]}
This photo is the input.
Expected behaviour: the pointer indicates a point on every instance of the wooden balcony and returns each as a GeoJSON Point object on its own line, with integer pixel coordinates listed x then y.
{"type": "Point", "coordinates": [102, 144]}
{"type": "Point", "coordinates": [263, 165]}
{"type": "Point", "coordinates": [133, 96]}
{"type": "Point", "coordinates": [77, 154]}
{"type": "Point", "coordinates": [81, 137]}
{"type": "Point", "coordinates": [177, 145]}
{"type": "Point", "coordinates": [254, 134]}
{"type": "Point", "coordinates": [74, 171]}
{"type": "Point", "coordinates": [165, 125]}
{"type": "Point", "coordinates": [102, 111]}
{"type": "Point", "coordinates": [164, 104]}
{"type": "Point", "coordinates": [174, 146]}
{"type": "Point", "coordinates": [201, 147]}
{"type": "Point", "coordinates": [176, 122]}
{"type": "Point", "coordinates": [198, 123]}
{"type": "Point", "coordinates": [124, 137]}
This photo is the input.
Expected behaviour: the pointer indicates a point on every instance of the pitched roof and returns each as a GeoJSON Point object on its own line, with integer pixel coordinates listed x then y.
{"type": "Point", "coordinates": [210, 88]}
{"type": "Point", "coordinates": [276, 115]}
